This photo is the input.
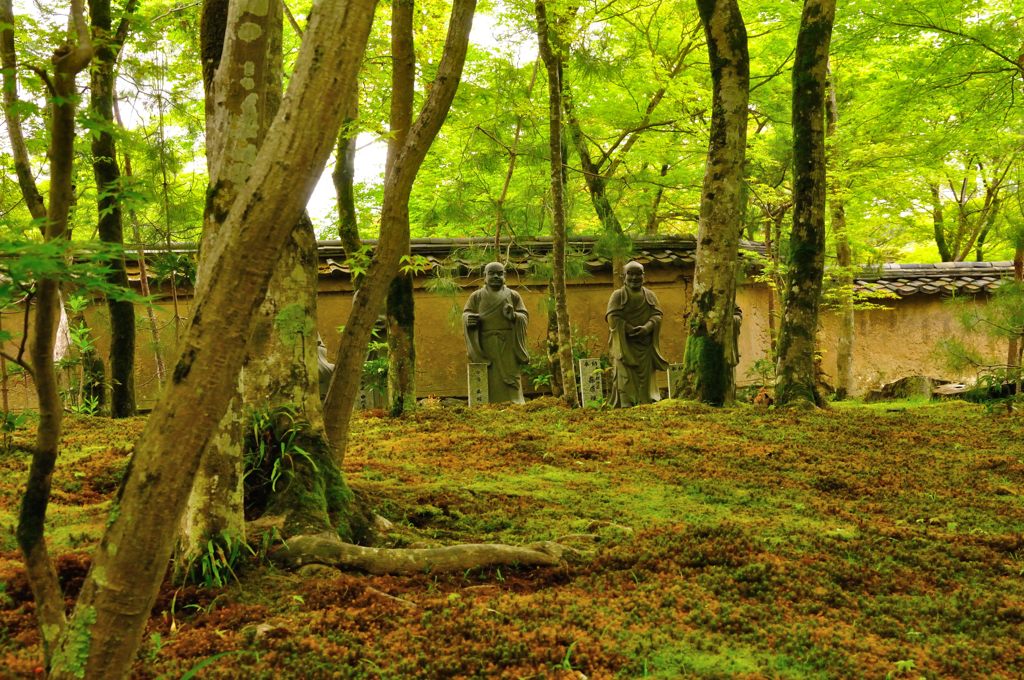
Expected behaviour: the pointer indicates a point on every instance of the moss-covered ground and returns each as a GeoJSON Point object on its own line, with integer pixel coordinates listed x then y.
{"type": "Point", "coordinates": [712, 543]}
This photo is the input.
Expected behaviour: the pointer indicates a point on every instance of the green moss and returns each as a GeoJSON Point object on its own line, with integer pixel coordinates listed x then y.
{"type": "Point", "coordinates": [73, 653]}
{"type": "Point", "coordinates": [293, 323]}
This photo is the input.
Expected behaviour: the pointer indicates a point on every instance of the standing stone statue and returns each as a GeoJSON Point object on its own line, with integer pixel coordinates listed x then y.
{"type": "Point", "coordinates": [494, 320]}
{"type": "Point", "coordinates": [634, 324]}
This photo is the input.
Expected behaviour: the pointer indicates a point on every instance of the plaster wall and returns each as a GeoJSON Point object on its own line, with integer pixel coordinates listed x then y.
{"type": "Point", "coordinates": [901, 341]}
{"type": "Point", "coordinates": [889, 344]}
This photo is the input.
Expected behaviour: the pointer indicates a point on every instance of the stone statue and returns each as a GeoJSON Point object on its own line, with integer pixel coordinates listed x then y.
{"type": "Point", "coordinates": [634, 324]}
{"type": "Point", "coordinates": [324, 367]}
{"type": "Point", "coordinates": [494, 320]}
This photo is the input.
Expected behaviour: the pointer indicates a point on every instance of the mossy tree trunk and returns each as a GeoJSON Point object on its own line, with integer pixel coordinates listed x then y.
{"type": "Point", "coordinates": [844, 253]}
{"type": "Point", "coordinates": [400, 309]}
{"type": "Point", "coordinates": [795, 381]}
{"type": "Point", "coordinates": [280, 368]}
{"type": "Point", "coordinates": [108, 202]}
{"type": "Point", "coordinates": [344, 178]}
{"type": "Point", "coordinates": [398, 181]}
{"type": "Point", "coordinates": [242, 79]}
{"type": "Point", "coordinates": [131, 559]}
{"type": "Point", "coordinates": [553, 65]}
{"type": "Point", "coordinates": [710, 358]}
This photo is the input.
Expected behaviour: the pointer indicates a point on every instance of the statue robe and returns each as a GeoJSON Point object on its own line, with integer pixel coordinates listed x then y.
{"type": "Point", "coordinates": [634, 359]}
{"type": "Point", "coordinates": [498, 341]}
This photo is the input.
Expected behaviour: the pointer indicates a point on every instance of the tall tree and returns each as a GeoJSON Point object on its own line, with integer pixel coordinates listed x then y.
{"type": "Point", "coordinates": [552, 58]}
{"type": "Point", "coordinates": [399, 308]}
{"type": "Point", "coordinates": [107, 43]}
{"type": "Point", "coordinates": [344, 386]}
{"type": "Point", "coordinates": [131, 559]}
{"type": "Point", "coordinates": [711, 357]}
{"type": "Point", "coordinates": [242, 81]}
{"type": "Point", "coordinates": [796, 379]}
{"type": "Point", "coordinates": [68, 60]}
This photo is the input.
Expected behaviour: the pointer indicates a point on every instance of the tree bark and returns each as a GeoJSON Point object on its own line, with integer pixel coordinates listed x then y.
{"type": "Point", "coordinates": [108, 202]}
{"type": "Point", "coordinates": [711, 354]}
{"type": "Point", "coordinates": [844, 254]}
{"type": "Point", "coordinates": [131, 559]}
{"type": "Point", "coordinates": [553, 65]}
{"type": "Point", "coordinates": [797, 337]}
{"type": "Point", "coordinates": [367, 303]}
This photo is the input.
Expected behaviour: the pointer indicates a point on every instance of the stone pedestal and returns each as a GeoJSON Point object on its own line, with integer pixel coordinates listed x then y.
{"type": "Point", "coordinates": [591, 388]}
{"type": "Point", "coordinates": [369, 398]}
{"type": "Point", "coordinates": [476, 376]}
{"type": "Point", "coordinates": [675, 381]}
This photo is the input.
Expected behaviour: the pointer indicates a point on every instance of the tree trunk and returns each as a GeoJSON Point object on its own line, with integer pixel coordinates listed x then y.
{"type": "Point", "coordinates": [344, 179]}
{"type": "Point", "coordinates": [108, 202]}
{"type": "Point", "coordinates": [131, 559]}
{"type": "Point", "coordinates": [401, 317]}
{"type": "Point", "coordinates": [844, 254]}
{"type": "Point", "coordinates": [68, 60]}
{"type": "Point", "coordinates": [652, 218]}
{"type": "Point", "coordinates": [19, 151]}
{"type": "Point", "coordinates": [990, 220]}
{"type": "Point", "coordinates": [242, 95]}
{"type": "Point", "coordinates": [939, 224]}
{"type": "Point", "coordinates": [795, 374]}
{"type": "Point", "coordinates": [616, 242]}
{"type": "Point", "coordinates": [400, 307]}
{"type": "Point", "coordinates": [154, 327]}
{"type": "Point", "coordinates": [366, 305]}
{"type": "Point", "coordinates": [711, 353]}
{"type": "Point", "coordinates": [553, 64]}
{"type": "Point", "coordinates": [1014, 350]}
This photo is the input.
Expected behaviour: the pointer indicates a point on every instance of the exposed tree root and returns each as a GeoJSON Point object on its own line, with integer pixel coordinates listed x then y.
{"type": "Point", "coordinates": [328, 549]}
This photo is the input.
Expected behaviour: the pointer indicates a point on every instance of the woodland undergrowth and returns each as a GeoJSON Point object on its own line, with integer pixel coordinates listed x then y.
{"type": "Point", "coordinates": [714, 543]}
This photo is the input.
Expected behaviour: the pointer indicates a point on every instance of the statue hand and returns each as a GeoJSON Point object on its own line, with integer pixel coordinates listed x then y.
{"type": "Point", "coordinates": [510, 312]}
{"type": "Point", "coordinates": [472, 320]}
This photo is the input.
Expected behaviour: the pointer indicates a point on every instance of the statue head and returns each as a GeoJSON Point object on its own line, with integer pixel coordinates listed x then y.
{"type": "Point", "coordinates": [494, 275]}
{"type": "Point", "coordinates": [633, 275]}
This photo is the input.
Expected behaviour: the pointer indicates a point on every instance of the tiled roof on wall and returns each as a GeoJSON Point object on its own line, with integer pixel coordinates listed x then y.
{"type": "Point", "coordinates": [468, 255]}
{"type": "Point", "coordinates": [942, 278]}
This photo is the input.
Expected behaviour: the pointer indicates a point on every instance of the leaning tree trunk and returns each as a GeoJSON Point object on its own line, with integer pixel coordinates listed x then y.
{"type": "Point", "coordinates": [553, 64]}
{"type": "Point", "coordinates": [131, 559]}
{"type": "Point", "coordinates": [400, 310]}
{"type": "Point", "coordinates": [711, 355]}
{"type": "Point", "coordinates": [844, 254]}
{"type": "Point", "coordinates": [366, 305]}
{"type": "Point", "coordinates": [108, 203]}
{"type": "Point", "coordinates": [617, 242]}
{"type": "Point", "coordinates": [795, 382]}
